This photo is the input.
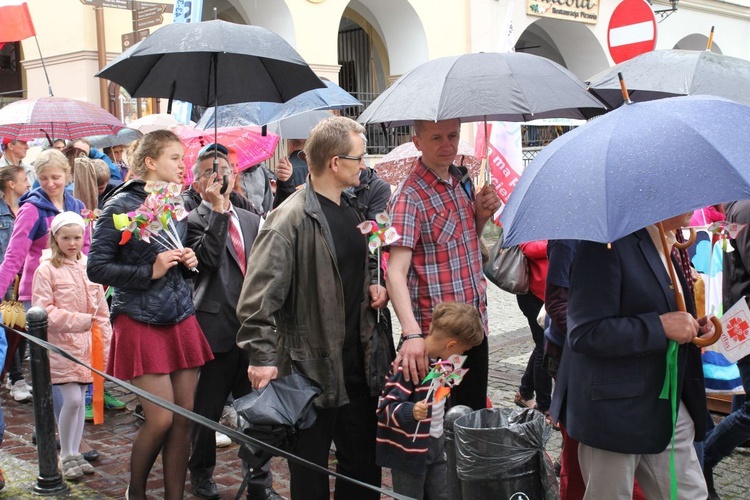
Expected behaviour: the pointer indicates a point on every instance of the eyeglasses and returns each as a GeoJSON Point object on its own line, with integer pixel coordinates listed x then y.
{"type": "Point", "coordinates": [358, 159]}
{"type": "Point", "coordinates": [222, 172]}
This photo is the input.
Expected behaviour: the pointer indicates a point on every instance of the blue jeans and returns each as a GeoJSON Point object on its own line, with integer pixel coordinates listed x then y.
{"type": "Point", "coordinates": [734, 429]}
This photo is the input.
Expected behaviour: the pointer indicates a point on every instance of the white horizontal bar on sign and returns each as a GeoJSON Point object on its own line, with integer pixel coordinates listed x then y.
{"type": "Point", "coordinates": [633, 33]}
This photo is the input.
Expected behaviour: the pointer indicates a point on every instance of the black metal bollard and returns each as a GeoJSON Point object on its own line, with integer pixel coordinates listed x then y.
{"type": "Point", "coordinates": [454, 484]}
{"type": "Point", "coordinates": [49, 481]}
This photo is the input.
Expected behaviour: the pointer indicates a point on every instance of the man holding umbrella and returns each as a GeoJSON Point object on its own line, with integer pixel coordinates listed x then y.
{"type": "Point", "coordinates": [440, 220]}
{"type": "Point", "coordinates": [307, 306]}
{"type": "Point", "coordinates": [621, 315]}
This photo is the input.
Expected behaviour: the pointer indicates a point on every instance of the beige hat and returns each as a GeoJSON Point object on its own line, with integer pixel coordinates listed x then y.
{"type": "Point", "coordinates": [66, 218]}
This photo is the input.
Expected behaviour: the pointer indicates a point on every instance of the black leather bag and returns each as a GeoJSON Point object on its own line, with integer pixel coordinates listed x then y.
{"type": "Point", "coordinates": [508, 268]}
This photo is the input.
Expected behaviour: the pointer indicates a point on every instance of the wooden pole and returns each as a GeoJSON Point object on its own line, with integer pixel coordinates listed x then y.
{"type": "Point", "coordinates": [101, 55]}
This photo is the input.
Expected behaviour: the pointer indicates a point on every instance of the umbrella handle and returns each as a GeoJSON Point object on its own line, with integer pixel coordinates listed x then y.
{"type": "Point", "coordinates": [714, 338]}
{"type": "Point", "coordinates": [686, 244]}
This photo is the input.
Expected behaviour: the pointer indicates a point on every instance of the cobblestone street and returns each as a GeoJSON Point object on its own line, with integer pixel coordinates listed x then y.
{"type": "Point", "coordinates": [510, 345]}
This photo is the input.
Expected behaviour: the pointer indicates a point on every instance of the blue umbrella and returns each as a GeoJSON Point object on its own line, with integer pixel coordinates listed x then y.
{"type": "Point", "coordinates": [637, 165]}
{"type": "Point", "coordinates": [262, 113]}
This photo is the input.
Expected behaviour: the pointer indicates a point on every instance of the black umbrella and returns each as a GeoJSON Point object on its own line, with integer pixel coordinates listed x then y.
{"type": "Point", "coordinates": [275, 414]}
{"type": "Point", "coordinates": [184, 61]}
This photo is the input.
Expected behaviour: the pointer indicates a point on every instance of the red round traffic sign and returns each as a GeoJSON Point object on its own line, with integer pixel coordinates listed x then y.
{"type": "Point", "coordinates": [632, 30]}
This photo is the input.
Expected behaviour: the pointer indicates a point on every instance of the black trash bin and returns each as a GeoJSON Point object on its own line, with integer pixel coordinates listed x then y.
{"type": "Point", "coordinates": [500, 455]}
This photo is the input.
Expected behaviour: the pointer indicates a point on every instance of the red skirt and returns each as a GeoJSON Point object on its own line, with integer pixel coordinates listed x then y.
{"type": "Point", "coordinates": [143, 349]}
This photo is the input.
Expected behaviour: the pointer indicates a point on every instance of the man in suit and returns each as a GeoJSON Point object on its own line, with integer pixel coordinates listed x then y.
{"type": "Point", "coordinates": [621, 315]}
{"type": "Point", "coordinates": [221, 236]}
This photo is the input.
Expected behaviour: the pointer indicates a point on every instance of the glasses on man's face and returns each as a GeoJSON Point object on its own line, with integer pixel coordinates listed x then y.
{"type": "Point", "coordinates": [222, 173]}
{"type": "Point", "coordinates": [358, 159]}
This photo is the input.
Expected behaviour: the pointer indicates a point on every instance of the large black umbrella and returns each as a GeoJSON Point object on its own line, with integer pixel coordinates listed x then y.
{"type": "Point", "coordinates": [669, 73]}
{"type": "Point", "coordinates": [487, 86]}
{"type": "Point", "coordinates": [186, 61]}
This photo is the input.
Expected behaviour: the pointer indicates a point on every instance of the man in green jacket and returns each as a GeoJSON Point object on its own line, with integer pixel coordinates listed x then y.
{"type": "Point", "coordinates": [307, 305]}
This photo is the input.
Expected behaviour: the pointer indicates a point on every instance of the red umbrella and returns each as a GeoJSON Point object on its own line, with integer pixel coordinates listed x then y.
{"type": "Point", "coordinates": [56, 117]}
{"type": "Point", "coordinates": [249, 145]}
{"type": "Point", "coordinates": [396, 165]}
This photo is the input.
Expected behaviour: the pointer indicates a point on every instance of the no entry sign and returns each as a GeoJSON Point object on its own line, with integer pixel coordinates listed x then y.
{"type": "Point", "coordinates": [632, 30]}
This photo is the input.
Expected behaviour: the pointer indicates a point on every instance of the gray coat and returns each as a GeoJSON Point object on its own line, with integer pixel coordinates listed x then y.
{"type": "Point", "coordinates": [292, 303]}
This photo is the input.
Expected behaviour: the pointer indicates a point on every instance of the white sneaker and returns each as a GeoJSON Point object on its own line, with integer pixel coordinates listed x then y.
{"type": "Point", "coordinates": [21, 391]}
{"type": "Point", "coordinates": [222, 440]}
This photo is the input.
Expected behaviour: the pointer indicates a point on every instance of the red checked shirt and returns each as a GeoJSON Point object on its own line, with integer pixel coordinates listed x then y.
{"type": "Point", "coordinates": [435, 218]}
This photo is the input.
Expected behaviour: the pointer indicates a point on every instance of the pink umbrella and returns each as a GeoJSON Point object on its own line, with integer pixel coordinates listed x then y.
{"type": "Point", "coordinates": [247, 143]}
{"type": "Point", "coordinates": [396, 165]}
{"type": "Point", "coordinates": [56, 117]}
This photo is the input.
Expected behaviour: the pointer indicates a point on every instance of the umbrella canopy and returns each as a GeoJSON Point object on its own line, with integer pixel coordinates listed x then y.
{"type": "Point", "coordinates": [247, 143]}
{"type": "Point", "coordinates": [510, 86]}
{"type": "Point", "coordinates": [124, 136]}
{"type": "Point", "coordinates": [396, 165]}
{"type": "Point", "coordinates": [666, 73]}
{"type": "Point", "coordinates": [630, 168]}
{"type": "Point", "coordinates": [56, 117]}
{"type": "Point", "coordinates": [262, 113]}
{"type": "Point", "coordinates": [186, 61]}
{"type": "Point", "coordinates": [157, 121]}
{"type": "Point", "coordinates": [298, 126]}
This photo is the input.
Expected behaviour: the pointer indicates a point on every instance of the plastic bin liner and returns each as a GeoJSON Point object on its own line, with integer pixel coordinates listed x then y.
{"type": "Point", "coordinates": [500, 455]}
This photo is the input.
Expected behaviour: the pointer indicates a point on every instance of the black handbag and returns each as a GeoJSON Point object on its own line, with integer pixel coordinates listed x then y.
{"type": "Point", "coordinates": [508, 268]}
{"type": "Point", "coordinates": [382, 352]}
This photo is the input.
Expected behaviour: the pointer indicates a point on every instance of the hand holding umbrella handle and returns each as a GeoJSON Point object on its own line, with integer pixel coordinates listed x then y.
{"type": "Point", "coordinates": [680, 300]}
{"type": "Point", "coordinates": [700, 342]}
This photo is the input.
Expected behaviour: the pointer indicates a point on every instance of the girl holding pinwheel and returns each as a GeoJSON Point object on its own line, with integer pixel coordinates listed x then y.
{"type": "Point", "coordinates": [157, 343]}
{"type": "Point", "coordinates": [410, 415]}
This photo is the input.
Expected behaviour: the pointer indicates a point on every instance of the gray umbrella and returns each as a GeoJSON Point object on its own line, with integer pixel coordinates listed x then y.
{"type": "Point", "coordinates": [298, 126]}
{"type": "Point", "coordinates": [211, 61]}
{"type": "Point", "coordinates": [668, 73]}
{"type": "Point", "coordinates": [486, 86]}
{"type": "Point", "coordinates": [124, 136]}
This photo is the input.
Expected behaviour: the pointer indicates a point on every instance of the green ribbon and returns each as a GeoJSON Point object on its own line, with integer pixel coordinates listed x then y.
{"type": "Point", "coordinates": [669, 391]}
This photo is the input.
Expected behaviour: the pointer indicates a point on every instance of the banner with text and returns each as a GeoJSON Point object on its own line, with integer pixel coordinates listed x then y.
{"type": "Point", "coordinates": [504, 156]}
{"type": "Point", "coordinates": [582, 11]}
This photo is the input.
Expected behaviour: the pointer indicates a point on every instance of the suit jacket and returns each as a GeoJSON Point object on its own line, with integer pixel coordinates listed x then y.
{"type": "Point", "coordinates": [218, 284]}
{"type": "Point", "coordinates": [614, 361]}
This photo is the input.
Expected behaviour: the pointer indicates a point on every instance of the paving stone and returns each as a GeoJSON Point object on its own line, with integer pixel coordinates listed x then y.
{"type": "Point", "coordinates": [510, 345]}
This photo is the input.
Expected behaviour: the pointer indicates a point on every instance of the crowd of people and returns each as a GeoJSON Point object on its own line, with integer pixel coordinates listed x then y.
{"type": "Point", "coordinates": [285, 284]}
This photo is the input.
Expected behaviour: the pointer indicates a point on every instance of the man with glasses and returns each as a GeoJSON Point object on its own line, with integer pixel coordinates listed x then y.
{"type": "Point", "coordinates": [222, 235]}
{"type": "Point", "coordinates": [307, 307]}
{"type": "Point", "coordinates": [440, 219]}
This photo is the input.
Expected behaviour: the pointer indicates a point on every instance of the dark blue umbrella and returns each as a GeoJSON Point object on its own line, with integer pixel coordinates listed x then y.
{"type": "Point", "coordinates": [262, 113]}
{"type": "Point", "coordinates": [637, 165]}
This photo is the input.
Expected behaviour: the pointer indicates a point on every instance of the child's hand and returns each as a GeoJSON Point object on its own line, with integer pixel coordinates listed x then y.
{"type": "Point", "coordinates": [165, 261]}
{"type": "Point", "coordinates": [420, 411]}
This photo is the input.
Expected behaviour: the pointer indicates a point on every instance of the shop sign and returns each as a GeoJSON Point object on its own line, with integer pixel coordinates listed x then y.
{"type": "Point", "coordinates": [582, 11]}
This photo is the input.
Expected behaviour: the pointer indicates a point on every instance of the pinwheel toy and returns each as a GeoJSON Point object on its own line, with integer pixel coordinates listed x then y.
{"type": "Point", "coordinates": [444, 375]}
{"type": "Point", "coordinates": [380, 234]}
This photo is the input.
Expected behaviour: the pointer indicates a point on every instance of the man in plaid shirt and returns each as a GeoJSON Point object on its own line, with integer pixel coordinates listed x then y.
{"type": "Point", "coordinates": [440, 219]}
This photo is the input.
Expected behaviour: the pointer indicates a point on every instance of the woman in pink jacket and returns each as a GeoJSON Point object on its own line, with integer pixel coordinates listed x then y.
{"type": "Point", "coordinates": [74, 305]}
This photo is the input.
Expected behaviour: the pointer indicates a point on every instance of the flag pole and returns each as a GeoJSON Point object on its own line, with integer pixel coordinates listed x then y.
{"type": "Point", "coordinates": [44, 67]}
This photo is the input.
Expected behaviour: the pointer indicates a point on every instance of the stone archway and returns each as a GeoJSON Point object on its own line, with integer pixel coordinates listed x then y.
{"type": "Point", "coordinates": [696, 42]}
{"type": "Point", "coordinates": [569, 44]}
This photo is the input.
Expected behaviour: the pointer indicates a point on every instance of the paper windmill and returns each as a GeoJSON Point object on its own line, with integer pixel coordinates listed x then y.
{"type": "Point", "coordinates": [445, 374]}
{"type": "Point", "coordinates": [380, 231]}
{"type": "Point", "coordinates": [154, 219]}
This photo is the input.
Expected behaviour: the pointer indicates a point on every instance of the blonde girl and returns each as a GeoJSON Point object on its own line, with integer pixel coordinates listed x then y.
{"type": "Point", "coordinates": [73, 306]}
{"type": "Point", "coordinates": [157, 342]}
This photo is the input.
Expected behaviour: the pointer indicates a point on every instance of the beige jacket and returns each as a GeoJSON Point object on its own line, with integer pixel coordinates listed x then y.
{"type": "Point", "coordinates": [72, 303]}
